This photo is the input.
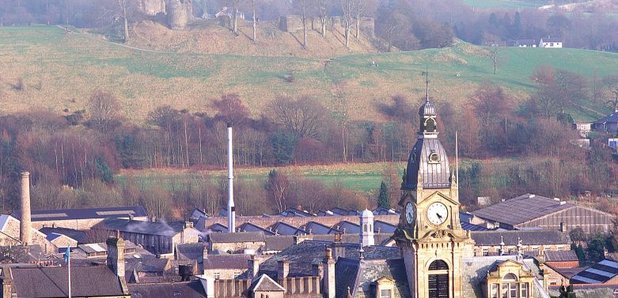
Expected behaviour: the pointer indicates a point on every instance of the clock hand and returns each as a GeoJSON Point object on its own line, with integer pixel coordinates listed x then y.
{"type": "Point", "coordinates": [439, 216]}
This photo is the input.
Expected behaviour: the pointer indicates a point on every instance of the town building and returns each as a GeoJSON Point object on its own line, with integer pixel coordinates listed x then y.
{"type": "Point", "coordinates": [530, 211]}
{"type": "Point", "coordinates": [86, 218]}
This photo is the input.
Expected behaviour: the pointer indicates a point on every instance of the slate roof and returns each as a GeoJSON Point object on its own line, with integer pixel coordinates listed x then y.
{"type": "Point", "coordinates": [472, 227]}
{"type": "Point", "coordinates": [265, 284]}
{"type": "Point", "coordinates": [384, 211]}
{"type": "Point", "coordinates": [296, 212]}
{"type": "Point", "coordinates": [79, 236]}
{"type": "Point", "coordinates": [219, 228]}
{"type": "Point", "coordinates": [383, 227]}
{"type": "Point", "coordinates": [237, 261]}
{"type": "Point", "coordinates": [522, 209]}
{"type": "Point", "coordinates": [316, 228]}
{"type": "Point", "coordinates": [597, 273]}
{"type": "Point", "coordinates": [190, 289]}
{"type": "Point", "coordinates": [142, 227]}
{"type": "Point", "coordinates": [613, 117]}
{"type": "Point", "coordinates": [190, 251]}
{"type": "Point", "coordinates": [301, 256]}
{"type": "Point", "coordinates": [560, 256]}
{"type": "Point", "coordinates": [87, 213]}
{"type": "Point", "coordinates": [249, 227]}
{"type": "Point", "coordinates": [281, 228]}
{"type": "Point", "coordinates": [236, 237]}
{"type": "Point", "coordinates": [53, 282]}
{"type": "Point", "coordinates": [278, 243]}
{"type": "Point", "coordinates": [355, 274]}
{"type": "Point", "coordinates": [346, 227]}
{"type": "Point", "coordinates": [434, 175]}
{"type": "Point", "coordinates": [528, 237]}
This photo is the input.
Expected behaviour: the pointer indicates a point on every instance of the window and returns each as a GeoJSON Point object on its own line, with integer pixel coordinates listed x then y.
{"type": "Point", "coordinates": [217, 275]}
{"type": "Point", "coordinates": [505, 290]}
{"type": "Point", "coordinates": [524, 290]}
{"type": "Point", "coordinates": [513, 290]}
{"type": "Point", "coordinates": [493, 291]}
{"type": "Point", "coordinates": [385, 293]}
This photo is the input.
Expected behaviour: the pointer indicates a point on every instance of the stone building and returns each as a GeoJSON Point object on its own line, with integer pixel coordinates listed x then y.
{"type": "Point", "coordinates": [534, 211]}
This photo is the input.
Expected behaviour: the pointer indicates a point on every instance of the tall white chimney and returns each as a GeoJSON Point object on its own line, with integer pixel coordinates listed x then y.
{"type": "Point", "coordinates": [231, 210]}
{"type": "Point", "coordinates": [25, 224]}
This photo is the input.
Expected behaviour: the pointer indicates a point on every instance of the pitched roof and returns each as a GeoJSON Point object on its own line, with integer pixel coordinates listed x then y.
{"type": "Point", "coordinates": [86, 213]}
{"type": "Point", "coordinates": [360, 274]}
{"type": "Point", "coordinates": [522, 209]}
{"type": "Point", "coordinates": [527, 237]}
{"type": "Point", "coordinates": [560, 256]}
{"type": "Point", "coordinates": [79, 236]}
{"type": "Point", "coordinates": [53, 282]}
{"type": "Point", "coordinates": [249, 227]}
{"type": "Point", "coordinates": [598, 273]}
{"type": "Point", "coordinates": [281, 228]}
{"type": "Point", "coordinates": [237, 261]}
{"type": "Point", "coordinates": [143, 227]}
{"type": "Point", "coordinates": [265, 284]}
{"type": "Point", "coordinates": [236, 237]}
{"type": "Point", "coordinates": [188, 289]}
{"type": "Point", "coordinates": [613, 117]}
{"type": "Point", "coordinates": [314, 227]}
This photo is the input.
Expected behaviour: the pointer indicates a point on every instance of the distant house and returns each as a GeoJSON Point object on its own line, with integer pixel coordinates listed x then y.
{"type": "Point", "coordinates": [524, 43]}
{"type": "Point", "coordinates": [551, 43]}
{"type": "Point", "coordinates": [583, 128]}
{"type": "Point", "coordinates": [157, 237]}
{"type": "Point", "coordinates": [607, 124]}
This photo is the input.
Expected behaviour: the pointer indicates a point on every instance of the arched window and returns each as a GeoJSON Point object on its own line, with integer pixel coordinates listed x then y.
{"type": "Point", "coordinates": [510, 287]}
{"type": "Point", "coordinates": [438, 279]}
{"type": "Point", "coordinates": [438, 265]}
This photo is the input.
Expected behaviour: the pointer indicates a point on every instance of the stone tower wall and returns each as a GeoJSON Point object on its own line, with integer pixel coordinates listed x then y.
{"type": "Point", "coordinates": [152, 7]}
{"type": "Point", "coordinates": [179, 13]}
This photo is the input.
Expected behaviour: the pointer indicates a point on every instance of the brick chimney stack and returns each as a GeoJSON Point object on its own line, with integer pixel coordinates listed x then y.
{"type": "Point", "coordinates": [25, 226]}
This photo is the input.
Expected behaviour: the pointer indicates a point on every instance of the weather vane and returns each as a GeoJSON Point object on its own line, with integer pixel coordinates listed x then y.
{"type": "Point", "coordinates": [426, 74]}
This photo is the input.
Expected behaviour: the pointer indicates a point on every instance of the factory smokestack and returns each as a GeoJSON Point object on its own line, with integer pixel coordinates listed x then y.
{"type": "Point", "coordinates": [231, 210]}
{"type": "Point", "coordinates": [25, 226]}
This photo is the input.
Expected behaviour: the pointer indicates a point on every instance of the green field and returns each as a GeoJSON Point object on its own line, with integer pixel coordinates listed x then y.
{"type": "Point", "coordinates": [359, 177]}
{"type": "Point", "coordinates": [61, 69]}
{"type": "Point", "coordinates": [517, 4]}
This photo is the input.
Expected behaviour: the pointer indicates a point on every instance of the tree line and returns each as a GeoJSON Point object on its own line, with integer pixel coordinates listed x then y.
{"type": "Point", "coordinates": [402, 24]}
{"type": "Point", "coordinates": [73, 157]}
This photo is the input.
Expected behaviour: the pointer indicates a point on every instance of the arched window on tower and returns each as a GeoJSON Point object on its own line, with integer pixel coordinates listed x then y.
{"type": "Point", "coordinates": [438, 279]}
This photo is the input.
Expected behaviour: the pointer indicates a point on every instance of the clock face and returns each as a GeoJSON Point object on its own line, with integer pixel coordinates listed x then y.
{"type": "Point", "coordinates": [437, 213]}
{"type": "Point", "coordinates": [409, 213]}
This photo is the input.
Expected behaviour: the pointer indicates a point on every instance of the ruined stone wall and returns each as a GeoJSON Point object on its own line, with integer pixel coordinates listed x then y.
{"type": "Point", "coordinates": [179, 13]}
{"type": "Point", "coordinates": [291, 23]}
{"type": "Point", "coordinates": [152, 7]}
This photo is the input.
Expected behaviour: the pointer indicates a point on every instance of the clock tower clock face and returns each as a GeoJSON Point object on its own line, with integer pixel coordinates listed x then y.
{"type": "Point", "coordinates": [437, 213]}
{"type": "Point", "coordinates": [409, 213]}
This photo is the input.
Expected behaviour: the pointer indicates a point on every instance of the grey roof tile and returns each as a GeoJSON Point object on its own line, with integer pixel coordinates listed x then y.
{"type": "Point", "coordinates": [190, 289]}
{"type": "Point", "coordinates": [528, 237]}
{"type": "Point", "coordinates": [521, 209]}
{"type": "Point", "coordinates": [53, 282]}
{"type": "Point", "coordinates": [103, 212]}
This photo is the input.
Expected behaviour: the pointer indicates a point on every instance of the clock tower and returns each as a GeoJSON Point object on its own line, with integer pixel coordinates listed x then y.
{"type": "Point", "coordinates": [429, 233]}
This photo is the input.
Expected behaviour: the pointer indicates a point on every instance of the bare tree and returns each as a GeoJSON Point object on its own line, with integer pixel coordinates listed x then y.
{"type": "Point", "coordinates": [254, 21]}
{"type": "Point", "coordinates": [347, 6]}
{"type": "Point", "coordinates": [234, 5]}
{"type": "Point", "coordinates": [322, 12]}
{"type": "Point", "coordinates": [303, 117]}
{"type": "Point", "coordinates": [303, 7]}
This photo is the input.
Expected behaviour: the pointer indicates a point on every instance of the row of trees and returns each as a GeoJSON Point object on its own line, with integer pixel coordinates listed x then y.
{"type": "Point", "coordinates": [91, 145]}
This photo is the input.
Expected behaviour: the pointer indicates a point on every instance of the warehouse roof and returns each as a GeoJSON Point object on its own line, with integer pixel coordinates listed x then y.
{"type": "Point", "coordinates": [522, 209]}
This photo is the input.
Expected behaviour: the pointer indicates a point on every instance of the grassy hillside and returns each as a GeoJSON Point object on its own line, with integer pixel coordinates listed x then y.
{"type": "Point", "coordinates": [364, 177]}
{"type": "Point", "coordinates": [506, 3]}
{"type": "Point", "coordinates": [61, 69]}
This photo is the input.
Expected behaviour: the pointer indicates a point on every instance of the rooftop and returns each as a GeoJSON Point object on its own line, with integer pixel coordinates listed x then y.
{"type": "Point", "coordinates": [522, 209]}
{"type": "Point", "coordinates": [527, 237]}
{"type": "Point", "coordinates": [53, 282]}
{"type": "Point", "coordinates": [88, 213]}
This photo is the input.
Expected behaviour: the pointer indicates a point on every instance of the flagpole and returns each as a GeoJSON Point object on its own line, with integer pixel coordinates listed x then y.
{"type": "Point", "coordinates": [68, 256]}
